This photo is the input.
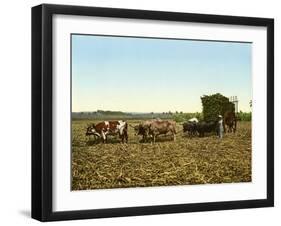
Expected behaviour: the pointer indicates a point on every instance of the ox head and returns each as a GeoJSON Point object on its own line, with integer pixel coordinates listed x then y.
{"type": "Point", "coordinates": [139, 129]}
{"type": "Point", "coordinates": [90, 130]}
{"type": "Point", "coordinates": [136, 129]}
{"type": "Point", "coordinates": [189, 126]}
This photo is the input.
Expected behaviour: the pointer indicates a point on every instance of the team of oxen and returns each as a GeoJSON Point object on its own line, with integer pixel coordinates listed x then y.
{"type": "Point", "coordinates": [149, 130]}
{"type": "Point", "coordinates": [194, 127]}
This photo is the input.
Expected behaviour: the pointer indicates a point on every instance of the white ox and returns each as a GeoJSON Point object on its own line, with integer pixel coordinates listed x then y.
{"type": "Point", "coordinates": [195, 120]}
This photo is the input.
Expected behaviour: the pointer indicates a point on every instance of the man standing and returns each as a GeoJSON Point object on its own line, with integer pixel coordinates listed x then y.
{"type": "Point", "coordinates": [220, 127]}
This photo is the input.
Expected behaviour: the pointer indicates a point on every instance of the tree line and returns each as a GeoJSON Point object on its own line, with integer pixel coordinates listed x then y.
{"type": "Point", "coordinates": [213, 105]}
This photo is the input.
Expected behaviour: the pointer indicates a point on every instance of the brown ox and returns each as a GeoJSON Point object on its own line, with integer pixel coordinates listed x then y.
{"type": "Point", "coordinates": [105, 128]}
{"type": "Point", "coordinates": [154, 128]}
{"type": "Point", "coordinates": [229, 120]}
{"type": "Point", "coordinates": [159, 127]}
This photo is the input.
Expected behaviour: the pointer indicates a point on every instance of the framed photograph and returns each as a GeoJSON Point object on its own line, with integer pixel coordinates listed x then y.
{"type": "Point", "coordinates": [139, 112]}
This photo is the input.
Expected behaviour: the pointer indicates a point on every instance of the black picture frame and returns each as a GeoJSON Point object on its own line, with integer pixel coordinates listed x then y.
{"type": "Point", "coordinates": [42, 111]}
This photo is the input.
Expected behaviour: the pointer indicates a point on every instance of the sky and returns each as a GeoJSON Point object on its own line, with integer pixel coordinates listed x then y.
{"type": "Point", "coordinates": [157, 75]}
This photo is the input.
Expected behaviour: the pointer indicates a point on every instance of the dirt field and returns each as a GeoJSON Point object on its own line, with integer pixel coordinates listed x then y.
{"type": "Point", "coordinates": [185, 161]}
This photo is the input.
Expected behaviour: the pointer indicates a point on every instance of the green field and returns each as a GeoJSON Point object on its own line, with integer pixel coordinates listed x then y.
{"type": "Point", "coordinates": [185, 161]}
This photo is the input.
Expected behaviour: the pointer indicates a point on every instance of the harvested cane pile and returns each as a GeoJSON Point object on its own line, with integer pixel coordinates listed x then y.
{"type": "Point", "coordinates": [186, 161]}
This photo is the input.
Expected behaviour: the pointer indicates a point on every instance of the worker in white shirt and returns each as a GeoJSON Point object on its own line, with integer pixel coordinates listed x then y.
{"type": "Point", "coordinates": [220, 127]}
